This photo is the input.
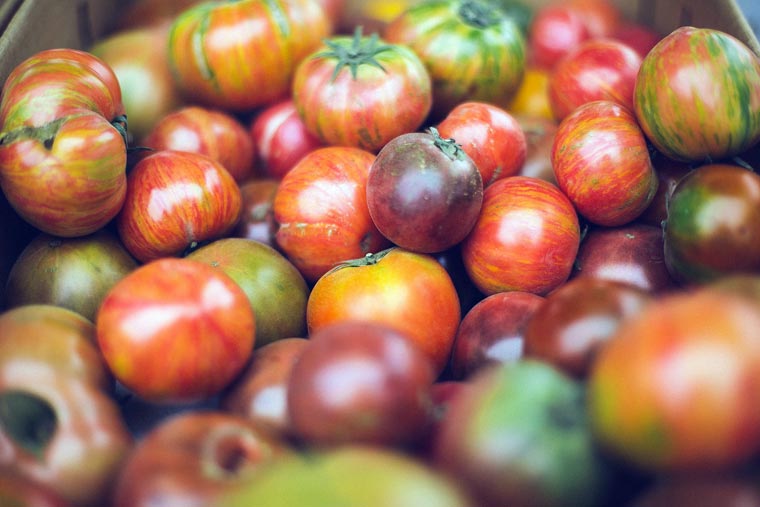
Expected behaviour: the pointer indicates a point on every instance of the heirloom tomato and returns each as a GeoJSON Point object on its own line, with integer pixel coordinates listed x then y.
{"type": "Point", "coordinates": [674, 390]}
{"type": "Point", "coordinates": [240, 55]}
{"type": "Point", "coordinates": [556, 30]}
{"type": "Point", "coordinates": [361, 91]}
{"type": "Point", "coordinates": [491, 136]}
{"type": "Point", "coordinates": [257, 217]}
{"type": "Point", "coordinates": [472, 50]}
{"type": "Point", "coordinates": [697, 95]}
{"type": "Point", "coordinates": [63, 142]}
{"type": "Point", "coordinates": [713, 224]}
{"type": "Point", "coordinates": [601, 17]}
{"type": "Point", "coordinates": [175, 200]}
{"type": "Point", "coordinates": [526, 238]}
{"type": "Point", "coordinates": [321, 213]}
{"type": "Point", "coordinates": [424, 192]}
{"type": "Point", "coordinates": [601, 161]}
{"type": "Point", "coordinates": [176, 330]}
{"type": "Point", "coordinates": [407, 291]}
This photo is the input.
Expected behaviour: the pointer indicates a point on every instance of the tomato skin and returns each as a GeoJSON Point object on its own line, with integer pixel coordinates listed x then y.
{"type": "Point", "coordinates": [601, 161]}
{"type": "Point", "coordinates": [407, 291]}
{"type": "Point", "coordinates": [471, 51]}
{"type": "Point", "coordinates": [240, 55]}
{"type": "Point", "coordinates": [675, 389]}
{"type": "Point", "coordinates": [366, 110]}
{"type": "Point", "coordinates": [491, 136]}
{"type": "Point", "coordinates": [713, 224]}
{"type": "Point", "coordinates": [320, 208]}
{"type": "Point", "coordinates": [526, 238]}
{"type": "Point", "coordinates": [697, 95]}
{"type": "Point", "coordinates": [555, 31]}
{"type": "Point", "coordinates": [206, 321]}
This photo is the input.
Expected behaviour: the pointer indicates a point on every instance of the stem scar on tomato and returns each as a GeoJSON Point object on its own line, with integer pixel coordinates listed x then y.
{"type": "Point", "coordinates": [28, 419]}
{"type": "Point", "coordinates": [362, 50]}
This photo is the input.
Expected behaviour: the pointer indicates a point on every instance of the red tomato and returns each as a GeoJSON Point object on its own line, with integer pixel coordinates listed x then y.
{"type": "Point", "coordinates": [175, 200]}
{"type": "Point", "coordinates": [491, 136]}
{"type": "Point", "coordinates": [555, 31]}
{"type": "Point", "coordinates": [676, 387]}
{"type": "Point", "coordinates": [697, 95]}
{"type": "Point", "coordinates": [321, 212]}
{"type": "Point", "coordinates": [636, 35]}
{"type": "Point", "coordinates": [601, 17]}
{"type": "Point", "coordinates": [526, 238]}
{"type": "Point", "coordinates": [281, 139]}
{"type": "Point", "coordinates": [362, 92]}
{"type": "Point", "coordinates": [210, 132]}
{"type": "Point", "coordinates": [598, 69]}
{"type": "Point", "coordinates": [601, 161]}
{"type": "Point", "coordinates": [240, 55]}
{"type": "Point", "coordinates": [408, 291]}
{"type": "Point", "coordinates": [176, 330]}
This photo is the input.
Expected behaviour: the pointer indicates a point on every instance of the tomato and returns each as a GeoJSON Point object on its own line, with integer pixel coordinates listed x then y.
{"type": "Point", "coordinates": [321, 213]}
{"type": "Point", "coordinates": [601, 161]}
{"type": "Point", "coordinates": [526, 238]}
{"type": "Point", "coordinates": [555, 31]}
{"type": "Point", "coordinates": [669, 173]}
{"type": "Point", "coordinates": [598, 69]}
{"type": "Point", "coordinates": [602, 17]}
{"type": "Point", "coordinates": [532, 97]}
{"type": "Point", "coordinates": [176, 200]}
{"type": "Point", "coordinates": [424, 192]}
{"type": "Point", "coordinates": [638, 36]}
{"type": "Point", "coordinates": [257, 217]}
{"type": "Point", "coordinates": [697, 95]}
{"type": "Point", "coordinates": [361, 91]}
{"type": "Point", "coordinates": [210, 132]}
{"type": "Point", "coordinates": [713, 224]}
{"type": "Point", "coordinates": [579, 319]}
{"type": "Point", "coordinates": [166, 329]}
{"type": "Point", "coordinates": [491, 136]}
{"type": "Point", "coordinates": [472, 51]}
{"type": "Point", "coordinates": [408, 291]}
{"type": "Point", "coordinates": [675, 388]}
{"type": "Point", "coordinates": [241, 55]}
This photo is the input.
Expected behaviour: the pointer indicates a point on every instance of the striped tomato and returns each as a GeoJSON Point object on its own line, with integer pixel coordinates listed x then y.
{"type": "Point", "coordinates": [697, 95]}
{"type": "Point", "coordinates": [240, 55]}
{"type": "Point", "coordinates": [601, 162]}
{"type": "Point", "coordinates": [526, 238]}
{"type": "Point", "coordinates": [473, 51]}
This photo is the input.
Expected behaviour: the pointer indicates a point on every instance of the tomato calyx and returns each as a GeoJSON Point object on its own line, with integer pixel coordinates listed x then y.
{"type": "Point", "coordinates": [369, 259]}
{"type": "Point", "coordinates": [28, 420]}
{"type": "Point", "coordinates": [358, 51]}
{"type": "Point", "coordinates": [449, 146]}
{"type": "Point", "coordinates": [478, 14]}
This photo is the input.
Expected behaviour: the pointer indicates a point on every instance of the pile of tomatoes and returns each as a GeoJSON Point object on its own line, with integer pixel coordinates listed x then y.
{"type": "Point", "coordinates": [429, 253]}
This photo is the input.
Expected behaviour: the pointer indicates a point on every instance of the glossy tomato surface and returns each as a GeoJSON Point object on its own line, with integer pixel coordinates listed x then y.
{"type": "Point", "coordinates": [526, 238]}
{"type": "Point", "coordinates": [166, 329]}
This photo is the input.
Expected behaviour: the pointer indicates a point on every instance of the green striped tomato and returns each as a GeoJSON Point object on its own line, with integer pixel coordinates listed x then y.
{"type": "Point", "coordinates": [242, 54]}
{"type": "Point", "coordinates": [472, 51]}
{"type": "Point", "coordinates": [697, 95]}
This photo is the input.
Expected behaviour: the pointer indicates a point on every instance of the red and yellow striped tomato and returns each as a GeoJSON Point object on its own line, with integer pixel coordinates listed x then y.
{"type": "Point", "coordinates": [472, 51]}
{"type": "Point", "coordinates": [601, 162]}
{"type": "Point", "coordinates": [240, 55]}
{"type": "Point", "coordinates": [361, 91]}
{"type": "Point", "coordinates": [697, 95]}
{"type": "Point", "coordinates": [526, 238]}
{"type": "Point", "coordinates": [62, 142]}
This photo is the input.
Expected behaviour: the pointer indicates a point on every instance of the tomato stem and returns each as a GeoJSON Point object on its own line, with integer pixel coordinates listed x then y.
{"type": "Point", "coordinates": [478, 14]}
{"type": "Point", "coordinates": [369, 259]}
{"type": "Point", "coordinates": [354, 53]}
{"type": "Point", "coordinates": [449, 146]}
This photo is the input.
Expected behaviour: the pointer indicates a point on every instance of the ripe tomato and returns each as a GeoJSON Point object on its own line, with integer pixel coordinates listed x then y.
{"type": "Point", "coordinates": [407, 291]}
{"type": "Point", "coordinates": [526, 238]}
{"type": "Point", "coordinates": [362, 92]}
{"type": "Point", "coordinates": [713, 224]}
{"type": "Point", "coordinates": [176, 330]}
{"type": "Point", "coordinates": [555, 31]}
{"type": "Point", "coordinates": [675, 389]}
{"type": "Point", "coordinates": [697, 95]}
{"type": "Point", "coordinates": [601, 161]}
{"type": "Point", "coordinates": [320, 208]}
{"type": "Point", "coordinates": [240, 55]}
{"type": "Point", "coordinates": [598, 69]}
{"type": "Point", "coordinates": [491, 136]}
{"type": "Point", "coordinates": [532, 97]}
{"type": "Point", "coordinates": [472, 51]}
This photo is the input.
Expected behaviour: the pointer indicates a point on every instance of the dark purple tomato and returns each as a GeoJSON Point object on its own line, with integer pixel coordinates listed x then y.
{"type": "Point", "coordinates": [669, 173]}
{"type": "Point", "coordinates": [713, 225]}
{"type": "Point", "coordinates": [424, 192]}
{"type": "Point", "coordinates": [361, 383]}
{"type": "Point", "coordinates": [577, 319]}
{"type": "Point", "coordinates": [631, 253]}
{"type": "Point", "coordinates": [493, 331]}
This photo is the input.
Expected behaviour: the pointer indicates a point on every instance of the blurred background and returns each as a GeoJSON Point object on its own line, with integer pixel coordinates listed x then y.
{"type": "Point", "coordinates": [751, 10]}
